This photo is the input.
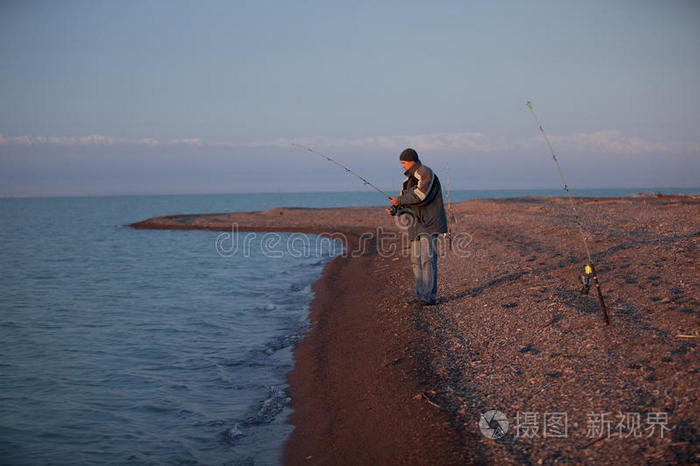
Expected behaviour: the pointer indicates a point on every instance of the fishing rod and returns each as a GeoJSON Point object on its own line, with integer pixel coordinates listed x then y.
{"type": "Point", "coordinates": [330, 159]}
{"type": "Point", "coordinates": [452, 218]}
{"type": "Point", "coordinates": [590, 268]}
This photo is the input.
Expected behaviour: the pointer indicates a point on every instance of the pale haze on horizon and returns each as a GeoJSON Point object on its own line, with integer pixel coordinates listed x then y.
{"type": "Point", "coordinates": [209, 97]}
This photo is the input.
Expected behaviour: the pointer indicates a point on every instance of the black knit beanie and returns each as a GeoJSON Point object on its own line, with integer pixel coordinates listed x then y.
{"type": "Point", "coordinates": [409, 155]}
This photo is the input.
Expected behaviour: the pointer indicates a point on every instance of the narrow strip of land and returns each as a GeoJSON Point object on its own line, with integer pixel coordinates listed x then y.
{"type": "Point", "coordinates": [378, 380]}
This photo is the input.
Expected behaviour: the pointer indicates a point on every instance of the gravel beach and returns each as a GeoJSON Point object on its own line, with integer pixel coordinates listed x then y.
{"type": "Point", "coordinates": [380, 379]}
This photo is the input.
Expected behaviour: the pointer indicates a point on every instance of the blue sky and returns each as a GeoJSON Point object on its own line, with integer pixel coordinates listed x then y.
{"type": "Point", "coordinates": [179, 97]}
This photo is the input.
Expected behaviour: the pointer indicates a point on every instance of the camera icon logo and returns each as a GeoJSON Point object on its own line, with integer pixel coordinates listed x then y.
{"type": "Point", "coordinates": [493, 424]}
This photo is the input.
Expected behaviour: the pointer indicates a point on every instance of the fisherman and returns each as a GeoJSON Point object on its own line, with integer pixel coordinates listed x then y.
{"type": "Point", "coordinates": [421, 197]}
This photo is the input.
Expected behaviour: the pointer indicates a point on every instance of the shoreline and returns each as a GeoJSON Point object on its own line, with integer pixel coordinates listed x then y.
{"type": "Point", "coordinates": [381, 405]}
{"type": "Point", "coordinates": [376, 380]}
{"type": "Point", "coordinates": [359, 383]}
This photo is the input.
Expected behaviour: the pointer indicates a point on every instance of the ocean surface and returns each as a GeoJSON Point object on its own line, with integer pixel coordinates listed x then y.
{"type": "Point", "coordinates": [123, 346]}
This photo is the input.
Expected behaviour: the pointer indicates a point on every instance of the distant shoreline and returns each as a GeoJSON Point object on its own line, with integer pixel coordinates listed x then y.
{"type": "Point", "coordinates": [484, 193]}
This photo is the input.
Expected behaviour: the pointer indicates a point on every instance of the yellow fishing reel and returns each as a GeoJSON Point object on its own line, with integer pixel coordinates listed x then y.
{"type": "Point", "coordinates": [586, 279]}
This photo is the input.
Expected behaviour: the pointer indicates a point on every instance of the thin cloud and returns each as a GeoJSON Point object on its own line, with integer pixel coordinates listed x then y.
{"type": "Point", "coordinates": [189, 141]}
{"type": "Point", "coordinates": [92, 139]}
{"type": "Point", "coordinates": [600, 142]}
{"type": "Point", "coordinates": [149, 141]}
{"type": "Point", "coordinates": [609, 142]}
{"type": "Point", "coordinates": [475, 142]}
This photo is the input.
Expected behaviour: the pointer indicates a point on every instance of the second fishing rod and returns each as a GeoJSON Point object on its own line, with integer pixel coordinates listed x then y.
{"type": "Point", "coordinates": [589, 269]}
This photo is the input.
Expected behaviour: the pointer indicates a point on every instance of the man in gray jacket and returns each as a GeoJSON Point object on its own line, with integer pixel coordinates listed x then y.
{"type": "Point", "coordinates": [421, 198]}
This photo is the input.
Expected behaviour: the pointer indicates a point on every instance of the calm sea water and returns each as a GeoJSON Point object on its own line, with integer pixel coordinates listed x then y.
{"type": "Point", "coordinates": [147, 347]}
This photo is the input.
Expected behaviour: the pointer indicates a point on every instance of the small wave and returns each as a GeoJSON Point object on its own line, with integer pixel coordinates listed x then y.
{"type": "Point", "coordinates": [298, 286]}
{"type": "Point", "coordinates": [11, 324]}
{"type": "Point", "coordinates": [233, 434]}
{"type": "Point", "coordinates": [317, 263]}
{"type": "Point", "coordinates": [280, 343]}
{"type": "Point", "coordinates": [45, 277]}
{"type": "Point", "coordinates": [266, 307]}
{"type": "Point", "coordinates": [244, 363]}
{"type": "Point", "coordinates": [153, 408]}
{"type": "Point", "coordinates": [293, 302]}
{"type": "Point", "coordinates": [270, 408]}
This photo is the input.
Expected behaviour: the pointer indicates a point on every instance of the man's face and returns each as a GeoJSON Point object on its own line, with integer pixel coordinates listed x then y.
{"type": "Point", "coordinates": [407, 165]}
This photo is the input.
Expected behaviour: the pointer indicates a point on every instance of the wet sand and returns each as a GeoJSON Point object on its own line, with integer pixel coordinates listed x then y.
{"type": "Point", "coordinates": [381, 380]}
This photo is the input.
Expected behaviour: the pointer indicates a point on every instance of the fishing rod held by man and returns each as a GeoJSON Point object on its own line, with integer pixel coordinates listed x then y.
{"type": "Point", "coordinates": [348, 170]}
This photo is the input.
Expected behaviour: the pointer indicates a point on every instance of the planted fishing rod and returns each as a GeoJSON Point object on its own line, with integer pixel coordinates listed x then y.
{"type": "Point", "coordinates": [589, 270]}
{"type": "Point", "coordinates": [332, 160]}
{"type": "Point", "coordinates": [451, 218]}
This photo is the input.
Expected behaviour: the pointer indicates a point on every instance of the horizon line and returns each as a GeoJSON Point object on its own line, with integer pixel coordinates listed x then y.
{"type": "Point", "coordinates": [642, 190]}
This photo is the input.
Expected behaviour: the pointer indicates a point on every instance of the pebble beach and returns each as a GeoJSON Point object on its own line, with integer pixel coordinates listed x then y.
{"type": "Point", "coordinates": [381, 379]}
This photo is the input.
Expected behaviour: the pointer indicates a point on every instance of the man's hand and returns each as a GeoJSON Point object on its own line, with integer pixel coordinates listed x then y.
{"type": "Point", "coordinates": [394, 200]}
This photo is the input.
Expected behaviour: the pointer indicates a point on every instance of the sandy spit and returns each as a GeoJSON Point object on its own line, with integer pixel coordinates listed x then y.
{"type": "Point", "coordinates": [379, 379]}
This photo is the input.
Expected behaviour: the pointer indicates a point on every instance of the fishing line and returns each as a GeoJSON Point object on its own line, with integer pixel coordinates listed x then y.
{"type": "Point", "coordinates": [590, 268]}
{"type": "Point", "coordinates": [330, 159]}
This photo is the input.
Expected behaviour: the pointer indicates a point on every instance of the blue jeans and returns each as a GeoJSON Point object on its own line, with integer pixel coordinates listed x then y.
{"type": "Point", "coordinates": [424, 263]}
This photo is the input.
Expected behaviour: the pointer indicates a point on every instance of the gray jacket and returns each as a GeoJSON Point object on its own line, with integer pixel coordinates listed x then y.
{"type": "Point", "coordinates": [422, 193]}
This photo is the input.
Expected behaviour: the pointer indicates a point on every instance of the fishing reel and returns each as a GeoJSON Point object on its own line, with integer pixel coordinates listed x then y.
{"type": "Point", "coordinates": [404, 217]}
{"type": "Point", "coordinates": [400, 210]}
{"type": "Point", "coordinates": [586, 279]}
